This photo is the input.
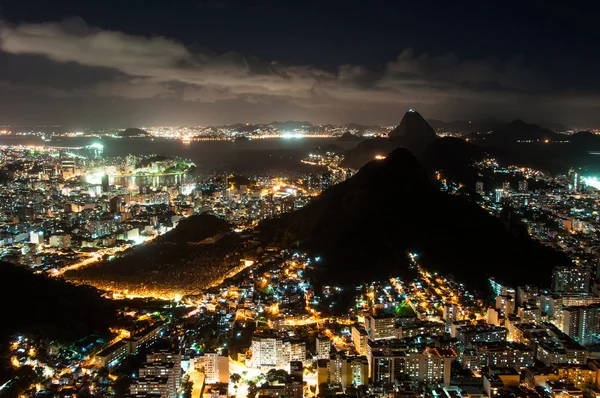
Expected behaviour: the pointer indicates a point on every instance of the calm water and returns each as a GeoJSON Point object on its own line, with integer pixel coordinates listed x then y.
{"type": "Point", "coordinates": [268, 155]}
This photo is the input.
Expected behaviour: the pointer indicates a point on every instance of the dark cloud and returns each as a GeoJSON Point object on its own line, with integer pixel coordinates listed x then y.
{"type": "Point", "coordinates": [115, 70]}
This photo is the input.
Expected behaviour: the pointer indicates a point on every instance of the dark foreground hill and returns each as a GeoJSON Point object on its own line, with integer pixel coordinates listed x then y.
{"type": "Point", "coordinates": [364, 228]}
{"type": "Point", "coordinates": [50, 308]}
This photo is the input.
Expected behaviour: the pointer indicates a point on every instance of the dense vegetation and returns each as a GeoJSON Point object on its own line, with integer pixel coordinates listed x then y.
{"type": "Point", "coordinates": [175, 261]}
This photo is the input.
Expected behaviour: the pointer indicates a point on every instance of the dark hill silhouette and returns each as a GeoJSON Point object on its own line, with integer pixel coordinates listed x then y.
{"type": "Point", "coordinates": [291, 124]}
{"type": "Point", "coordinates": [558, 127]}
{"type": "Point", "coordinates": [464, 126]}
{"type": "Point", "coordinates": [414, 128]}
{"type": "Point", "coordinates": [195, 229]}
{"type": "Point", "coordinates": [133, 132]}
{"type": "Point", "coordinates": [518, 130]}
{"type": "Point", "coordinates": [364, 227]}
{"type": "Point", "coordinates": [367, 150]}
{"type": "Point", "coordinates": [51, 308]}
{"type": "Point", "coordinates": [585, 140]}
{"type": "Point", "coordinates": [413, 133]}
{"type": "Point", "coordinates": [455, 157]}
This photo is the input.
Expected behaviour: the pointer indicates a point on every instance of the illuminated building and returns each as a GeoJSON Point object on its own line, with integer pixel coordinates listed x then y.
{"type": "Point", "coordinates": [505, 304]}
{"type": "Point", "coordinates": [530, 313]}
{"type": "Point", "coordinates": [416, 327]}
{"type": "Point", "coordinates": [523, 186]}
{"type": "Point", "coordinates": [294, 350]}
{"type": "Point", "coordinates": [381, 327]}
{"type": "Point", "coordinates": [582, 323]}
{"type": "Point", "coordinates": [501, 379]}
{"type": "Point", "coordinates": [36, 237]}
{"type": "Point", "coordinates": [498, 354]}
{"type": "Point", "coordinates": [492, 316]}
{"type": "Point", "coordinates": [343, 370]}
{"type": "Point", "coordinates": [574, 180]}
{"type": "Point", "coordinates": [431, 366]}
{"type": "Point", "coordinates": [360, 338]}
{"type": "Point", "coordinates": [323, 346]}
{"type": "Point", "coordinates": [151, 385]}
{"type": "Point", "coordinates": [581, 376]}
{"type": "Point", "coordinates": [144, 338]}
{"type": "Point", "coordinates": [166, 357]}
{"type": "Point", "coordinates": [492, 385]}
{"type": "Point", "coordinates": [387, 366]}
{"type": "Point", "coordinates": [471, 334]}
{"type": "Point", "coordinates": [571, 279]}
{"type": "Point", "coordinates": [112, 355]}
{"type": "Point", "coordinates": [267, 350]}
{"type": "Point", "coordinates": [449, 314]}
{"type": "Point", "coordinates": [501, 194]}
{"type": "Point", "coordinates": [479, 188]}
{"type": "Point", "coordinates": [60, 241]}
{"type": "Point", "coordinates": [162, 370]}
{"type": "Point", "coordinates": [214, 366]}
{"type": "Point", "coordinates": [553, 303]}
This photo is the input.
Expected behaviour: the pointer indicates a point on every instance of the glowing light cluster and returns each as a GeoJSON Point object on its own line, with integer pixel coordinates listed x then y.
{"type": "Point", "coordinates": [593, 182]}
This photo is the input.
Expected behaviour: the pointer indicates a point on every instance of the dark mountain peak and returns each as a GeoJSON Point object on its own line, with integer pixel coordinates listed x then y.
{"type": "Point", "coordinates": [413, 133]}
{"type": "Point", "coordinates": [414, 127]}
{"type": "Point", "coordinates": [399, 170]}
{"type": "Point", "coordinates": [363, 228]}
{"type": "Point", "coordinates": [519, 131]}
{"type": "Point", "coordinates": [520, 125]}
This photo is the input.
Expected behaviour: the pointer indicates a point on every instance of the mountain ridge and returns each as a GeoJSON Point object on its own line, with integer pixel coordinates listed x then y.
{"type": "Point", "coordinates": [364, 228]}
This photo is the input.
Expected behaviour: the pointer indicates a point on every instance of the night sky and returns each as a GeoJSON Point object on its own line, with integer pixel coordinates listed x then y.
{"type": "Point", "coordinates": [139, 63]}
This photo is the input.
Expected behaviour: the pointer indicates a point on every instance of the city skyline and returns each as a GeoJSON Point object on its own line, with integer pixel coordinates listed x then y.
{"type": "Point", "coordinates": [299, 199]}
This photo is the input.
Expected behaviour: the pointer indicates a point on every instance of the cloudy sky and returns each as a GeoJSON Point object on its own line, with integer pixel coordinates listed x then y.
{"type": "Point", "coordinates": [224, 61]}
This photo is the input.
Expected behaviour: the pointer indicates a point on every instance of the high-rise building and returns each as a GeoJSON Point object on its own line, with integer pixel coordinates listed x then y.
{"type": "Point", "coordinates": [432, 365]}
{"type": "Point", "coordinates": [116, 204]}
{"type": "Point", "coordinates": [293, 350]}
{"type": "Point", "coordinates": [360, 338]}
{"type": "Point", "coordinates": [492, 316]}
{"type": "Point", "coordinates": [574, 180]}
{"type": "Point", "coordinates": [571, 279]}
{"type": "Point", "coordinates": [105, 182]}
{"type": "Point", "coordinates": [68, 167]}
{"type": "Point", "coordinates": [343, 370]}
{"type": "Point", "coordinates": [162, 370]}
{"type": "Point", "coordinates": [162, 364]}
{"type": "Point", "coordinates": [62, 241]}
{"type": "Point", "coordinates": [479, 188]}
{"type": "Point", "coordinates": [449, 314]}
{"type": "Point", "coordinates": [523, 186]}
{"type": "Point", "coordinates": [381, 327]}
{"type": "Point", "coordinates": [501, 194]}
{"type": "Point", "coordinates": [582, 323]}
{"type": "Point", "coordinates": [267, 350]}
{"type": "Point", "coordinates": [505, 304]}
{"type": "Point", "coordinates": [214, 366]}
{"type": "Point", "coordinates": [323, 346]}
